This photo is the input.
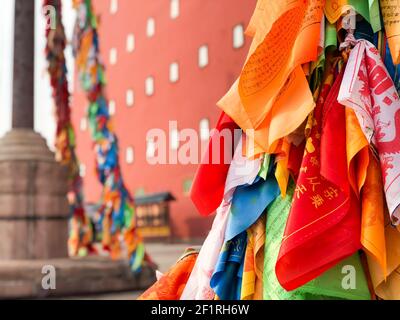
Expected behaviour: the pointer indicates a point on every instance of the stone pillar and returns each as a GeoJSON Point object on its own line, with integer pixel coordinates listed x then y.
{"type": "Point", "coordinates": [33, 201]}
{"type": "Point", "coordinates": [24, 66]}
{"type": "Point", "coordinates": [33, 186]}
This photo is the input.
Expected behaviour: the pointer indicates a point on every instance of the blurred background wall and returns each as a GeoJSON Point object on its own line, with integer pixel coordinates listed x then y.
{"type": "Point", "coordinates": [166, 60]}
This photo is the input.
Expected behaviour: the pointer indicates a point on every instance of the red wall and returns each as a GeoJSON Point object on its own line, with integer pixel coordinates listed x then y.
{"type": "Point", "coordinates": [188, 101]}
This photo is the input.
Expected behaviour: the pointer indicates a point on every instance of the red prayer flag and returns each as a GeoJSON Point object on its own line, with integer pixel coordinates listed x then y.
{"type": "Point", "coordinates": [323, 226]}
{"type": "Point", "coordinates": [209, 182]}
{"type": "Point", "coordinates": [295, 159]}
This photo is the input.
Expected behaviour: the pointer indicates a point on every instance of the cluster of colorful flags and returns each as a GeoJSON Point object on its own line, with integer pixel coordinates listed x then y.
{"type": "Point", "coordinates": [117, 208]}
{"type": "Point", "coordinates": [309, 205]}
{"type": "Point", "coordinates": [80, 239]}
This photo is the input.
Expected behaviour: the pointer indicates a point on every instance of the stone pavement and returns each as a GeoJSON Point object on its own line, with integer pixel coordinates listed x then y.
{"type": "Point", "coordinates": [164, 254]}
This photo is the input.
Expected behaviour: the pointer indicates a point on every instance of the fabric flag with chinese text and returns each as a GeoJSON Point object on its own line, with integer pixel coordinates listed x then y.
{"type": "Point", "coordinates": [390, 13]}
{"type": "Point", "coordinates": [272, 84]}
{"type": "Point", "coordinates": [326, 286]}
{"type": "Point", "coordinates": [368, 89]}
{"type": "Point", "coordinates": [324, 223]}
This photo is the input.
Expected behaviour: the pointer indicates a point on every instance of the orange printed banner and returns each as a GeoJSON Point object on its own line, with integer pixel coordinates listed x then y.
{"type": "Point", "coordinates": [291, 40]}
{"type": "Point", "coordinates": [387, 287]}
{"type": "Point", "coordinates": [391, 18]}
{"type": "Point", "coordinates": [272, 83]}
{"type": "Point", "coordinates": [373, 211]}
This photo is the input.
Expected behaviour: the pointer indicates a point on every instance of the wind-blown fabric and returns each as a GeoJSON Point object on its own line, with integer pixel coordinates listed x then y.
{"type": "Point", "coordinates": [314, 215]}
{"type": "Point", "coordinates": [369, 10]}
{"type": "Point", "coordinates": [272, 83]}
{"type": "Point", "coordinates": [373, 212]}
{"type": "Point", "coordinates": [227, 277]}
{"type": "Point", "coordinates": [209, 183]}
{"type": "Point", "coordinates": [198, 285]}
{"type": "Point", "coordinates": [248, 203]}
{"type": "Point", "coordinates": [117, 208]}
{"type": "Point", "coordinates": [324, 224]}
{"type": "Point", "coordinates": [171, 284]}
{"type": "Point", "coordinates": [394, 70]}
{"type": "Point", "coordinates": [80, 239]}
{"type": "Point", "coordinates": [327, 286]}
{"type": "Point", "coordinates": [368, 89]}
{"type": "Point", "coordinates": [241, 171]}
{"type": "Point", "coordinates": [252, 283]}
{"type": "Point", "coordinates": [357, 151]}
{"type": "Point", "coordinates": [387, 287]}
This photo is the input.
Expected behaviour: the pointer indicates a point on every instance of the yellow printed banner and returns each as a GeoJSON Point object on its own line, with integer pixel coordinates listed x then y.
{"type": "Point", "coordinates": [373, 210]}
{"type": "Point", "coordinates": [391, 18]}
{"type": "Point", "coordinates": [388, 288]}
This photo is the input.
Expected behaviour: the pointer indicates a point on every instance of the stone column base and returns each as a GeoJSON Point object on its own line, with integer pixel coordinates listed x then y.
{"type": "Point", "coordinates": [73, 277]}
{"type": "Point", "coordinates": [34, 209]}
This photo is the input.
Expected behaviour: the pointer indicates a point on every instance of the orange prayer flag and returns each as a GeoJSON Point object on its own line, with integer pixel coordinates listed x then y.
{"type": "Point", "coordinates": [390, 13]}
{"type": "Point", "coordinates": [335, 8]}
{"type": "Point", "coordinates": [171, 284]}
{"type": "Point", "coordinates": [295, 100]}
{"type": "Point", "coordinates": [252, 281]}
{"type": "Point", "coordinates": [372, 222]}
{"type": "Point", "coordinates": [256, 18]}
{"type": "Point", "coordinates": [387, 288]}
{"type": "Point", "coordinates": [357, 149]}
{"type": "Point", "coordinates": [272, 84]}
{"type": "Point", "coordinates": [289, 39]}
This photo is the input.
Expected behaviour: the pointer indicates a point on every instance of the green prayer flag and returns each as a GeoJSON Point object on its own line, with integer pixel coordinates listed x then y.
{"type": "Point", "coordinates": [361, 7]}
{"type": "Point", "coordinates": [330, 34]}
{"type": "Point", "coordinates": [265, 167]}
{"type": "Point", "coordinates": [374, 15]}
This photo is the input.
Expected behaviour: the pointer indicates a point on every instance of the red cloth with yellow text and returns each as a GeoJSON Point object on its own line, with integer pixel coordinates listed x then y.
{"type": "Point", "coordinates": [323, 226]}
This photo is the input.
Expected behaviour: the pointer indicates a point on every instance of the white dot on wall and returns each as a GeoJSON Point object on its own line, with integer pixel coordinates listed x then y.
{"type": "Point", "coordinates": [149, 86]}
{"type": "Point", "coordinates": [150, 148]}
{"type": "Point", "coordinates": [113, 6]}
{"type": "Point", "coordinates": [130, 42]}
{"type": "Point", "coordinates": [82, 170]}
{"type": "Point", "coordinates": [174, 139]}
{"type": "Point", "coordinates": [151, 27]}
{"type": "Point", "coordinates": [83, 124]}
{"type": "Point", "coordinates": [130, 98]}
{"type": "Point", "coordinates": [204, 129]}
{"type": "Point", "coordinates": [238, 36]}
{"type": "Point", "coordinates": [203, 56]}
{"type": "Point", "coordinates": [129, 155]}
{"type": "Point", "coordinates": [113, 56]}
{"type": "Point", "coordinates": [174, 72]}
{"type": "Point", "coordinates": [111, 107]}
{"type": "Point", "coordinates": [174, 10]}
